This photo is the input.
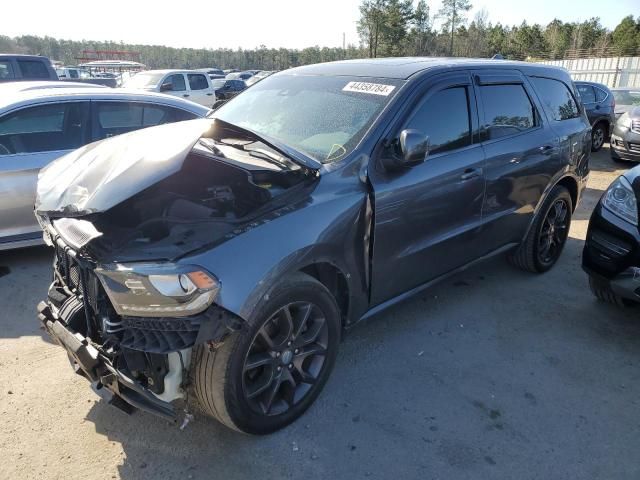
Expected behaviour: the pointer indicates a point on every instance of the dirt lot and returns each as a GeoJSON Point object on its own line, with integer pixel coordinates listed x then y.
{"type": "Point", "coordinates": [493, 374]}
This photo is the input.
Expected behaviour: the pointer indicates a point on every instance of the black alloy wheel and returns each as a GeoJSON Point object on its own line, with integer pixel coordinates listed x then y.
{"type": "Point", "coordinates": [285, 359]}
{"type": "Point", "coordinates": [267, 374]}
{"type": "Point", "coordinates": [554, 232]}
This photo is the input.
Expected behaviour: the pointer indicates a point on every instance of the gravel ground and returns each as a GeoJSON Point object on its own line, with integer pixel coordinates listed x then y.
{"type": "Point", "coordinates": [493, 374]}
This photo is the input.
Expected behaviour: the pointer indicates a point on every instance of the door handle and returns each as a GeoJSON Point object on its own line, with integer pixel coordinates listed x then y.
{"type": "Point", "coordinates": [185, 95]}
{"type": "Point", "coordinates": [546, 149]}
{"type": "Point", "coordinates": [470, 173]}
{"type": "Point", "coordinates": [209, 94]}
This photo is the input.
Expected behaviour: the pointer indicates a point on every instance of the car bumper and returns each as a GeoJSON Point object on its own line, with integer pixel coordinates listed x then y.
{"type": "Point", "coordinates": [625, 146]}
{"type": "Point", "coordinates": [611, 253]}
{"type": "Point", "coordinates": [87, 361]}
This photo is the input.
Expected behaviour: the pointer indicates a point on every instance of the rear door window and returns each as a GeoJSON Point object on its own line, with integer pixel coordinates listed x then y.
{"type": "Point", "coordinates": [507, 110]}
{"type": "Point", "coordinates": [587, 93]}
{"type": "Point", "coordinates": [444, 117]}
{"type": "Point", "coordinates": [115, 118]}
{"type": "Point", "coordinates": [198, 82]}
{"type": "Point", "coordinates": [44, 128]}
{"type": "Point", "coordinates": [556, 97]}
{"type": "Point", "coordinates": [33, 69]}
{"type": "Point", "coordinates": [6, 70]}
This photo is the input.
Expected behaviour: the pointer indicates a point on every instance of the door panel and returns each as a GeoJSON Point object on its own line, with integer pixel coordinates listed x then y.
{"type": "Point", "coordinates": [200, 89]}
{"type": "Point", "coordinates": [522, 155]}
{"type": "Point", "coordinates": [30, 138]}
{"type": "Point", "coordinates": [427, 217]}
{"type": "Point", "coordinates": [18, 179]}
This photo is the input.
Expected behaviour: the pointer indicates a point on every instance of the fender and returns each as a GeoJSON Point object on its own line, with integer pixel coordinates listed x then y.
{"type": "Point", "coordinates": [324, 228]}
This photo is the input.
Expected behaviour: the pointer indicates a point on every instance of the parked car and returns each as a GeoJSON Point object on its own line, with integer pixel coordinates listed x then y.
{"type": "Point", "coordinates": [14, 87]}
{"type": "Point", "coordinates": [76, 74]}
{"type": "Point", "coordinates": [212, 72]}
{"type": "Point", "coordinates": [234, 251]}
{"type": "Point", "coordinates": [15, 68]}
{"type": "Point", "coordinates": [38, 125]}
{"type": "Point", "coordinates": [626, 99]}
{"type": "Point", "coordinates": [189, 84]}
{"type": "Point", "coordinates": [239, 75]}
{"type": "Point", "coordinates": [625, 138]}
{"type": "Point", "coordinates": [257, 77]}
{"type": "Point", "coordinates": [600, 105]}
{"type": "Point", "coordinates": [610, 255]}
{"type": "Point", "coordinates": [227, 89]}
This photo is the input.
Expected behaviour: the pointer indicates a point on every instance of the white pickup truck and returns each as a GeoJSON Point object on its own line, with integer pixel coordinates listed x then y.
{"type": "Point", "coordinates": [189, 84]}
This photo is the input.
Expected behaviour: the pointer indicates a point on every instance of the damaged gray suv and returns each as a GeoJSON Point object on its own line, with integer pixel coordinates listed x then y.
{"type": "Point", "coordinates": [217, 262]}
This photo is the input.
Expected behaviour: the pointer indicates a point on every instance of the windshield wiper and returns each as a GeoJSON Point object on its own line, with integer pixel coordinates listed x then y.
{"type": "Point", "coordinates": [287, 151]}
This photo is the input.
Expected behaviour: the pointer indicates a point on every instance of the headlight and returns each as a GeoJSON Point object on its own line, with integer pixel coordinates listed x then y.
{"type": "Point", "coordinates": [620, 200]}
{"type": "Point", "coordinates": [155, 290]}
{"type": "Point", "coordinates": [624, 121]}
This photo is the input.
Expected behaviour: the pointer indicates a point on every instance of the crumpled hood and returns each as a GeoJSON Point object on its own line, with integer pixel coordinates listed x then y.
{"type": "Point", "coordinates": [101, 175]}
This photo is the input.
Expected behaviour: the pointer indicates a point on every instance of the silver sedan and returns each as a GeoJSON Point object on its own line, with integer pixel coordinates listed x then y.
{"type": "Point", "coordinates": [39, 123]}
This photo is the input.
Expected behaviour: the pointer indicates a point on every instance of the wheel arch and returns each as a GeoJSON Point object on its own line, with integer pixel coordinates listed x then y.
{"type": "Point", "coordinates": [567, 181]}
{"type": "Point", "coordinates": [336, 281]}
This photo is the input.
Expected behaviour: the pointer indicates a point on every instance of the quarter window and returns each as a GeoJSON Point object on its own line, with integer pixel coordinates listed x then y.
{"type": "Point", "coordinates": [43, 128]}
{"type": "Point", "coordinates": [600, 94]}
{"type": "Point", "coordinates": [177, 82]}
{"type": "Point", "coordinates": [198, 82]}
{"type": "Point", "coordinates": [33, 69]}
{"type": "Point", "coordinates": [444, 118]}
{"type": "Point", "coordinates": [507, 110]}
{"type": "Point", "coordinates": [557, 98]}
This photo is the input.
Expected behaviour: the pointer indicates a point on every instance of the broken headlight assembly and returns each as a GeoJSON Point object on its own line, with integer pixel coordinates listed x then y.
{"type": "Point", "coordinates": [158, 290]}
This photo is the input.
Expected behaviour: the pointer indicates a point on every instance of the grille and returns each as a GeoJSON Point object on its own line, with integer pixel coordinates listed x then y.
{"type": "Point", "coordinates": [158, 335]}
{"type": "Point", "coordinates": [635, 126]}
{"type": "Point", "coordinates": [634, 147]}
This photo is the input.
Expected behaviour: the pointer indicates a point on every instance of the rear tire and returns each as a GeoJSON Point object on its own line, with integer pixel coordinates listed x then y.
{"type": "Point", "coordinates": [602, 291]}
{"type": "Point", "coordinates": [531, 254]}
{"type": "Point", "coordinates": [598, 136]}
{"type": "Point", "coordinates": [265, 376]}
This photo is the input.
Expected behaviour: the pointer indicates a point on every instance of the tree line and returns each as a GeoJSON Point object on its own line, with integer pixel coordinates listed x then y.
{"type": "Point", "coordinates": [158, 56]}
{"type": "Point", "coordinates": [398, 27]}
{"type": "Point", "coordinates": [386, 28]}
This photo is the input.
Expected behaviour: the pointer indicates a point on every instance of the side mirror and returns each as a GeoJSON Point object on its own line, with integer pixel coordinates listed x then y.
{"type": "Point", "coordinates": [166, 87]}
{"type": "Point", "coordinates": [413, 147]}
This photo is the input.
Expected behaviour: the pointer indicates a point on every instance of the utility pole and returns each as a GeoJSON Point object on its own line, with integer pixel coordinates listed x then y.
{"type": "Point", "coordinates": [453, 24]}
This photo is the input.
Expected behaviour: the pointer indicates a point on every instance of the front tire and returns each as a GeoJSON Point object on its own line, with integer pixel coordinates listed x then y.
{"type": "Point", "coordinates": [545, 241]}
{"type": "Point", "coordinates": [265, 376]}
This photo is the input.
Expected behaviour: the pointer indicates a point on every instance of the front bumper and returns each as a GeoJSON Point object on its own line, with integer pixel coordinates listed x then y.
{"type": "Point", "coordinates": [612, 253]}
{"type": "Point", "coordinates": [89, 362]}
{"type": "Point", "coordinates": [625, 145]}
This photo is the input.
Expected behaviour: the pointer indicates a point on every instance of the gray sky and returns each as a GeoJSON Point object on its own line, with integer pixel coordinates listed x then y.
{"type": "Point", "coordinates": [249, 23]}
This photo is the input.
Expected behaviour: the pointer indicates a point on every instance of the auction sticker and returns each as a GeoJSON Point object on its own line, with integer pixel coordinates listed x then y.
{"type": "Point", "coordinates": [373, 88]}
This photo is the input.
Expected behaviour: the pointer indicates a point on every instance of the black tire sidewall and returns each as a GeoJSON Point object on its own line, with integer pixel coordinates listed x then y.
{"type": "Point", "coordinates": [558, 192]}
{"type": "Point", "coordinates": [237, 406]}
{"type": "Point", "coordinates": [598, 127]}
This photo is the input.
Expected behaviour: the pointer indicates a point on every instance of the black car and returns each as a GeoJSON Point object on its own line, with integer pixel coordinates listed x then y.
{"type": "Point", "coordinates": [14, 67]}
{"type": "Point", "coordinates": [227, 89]}
{"type": "Point", "coordinates": [600, 105]}
{"type": "Point", "coordinates": [611, 255]}
{"type": "Point", "coordinates": [226, 257]}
